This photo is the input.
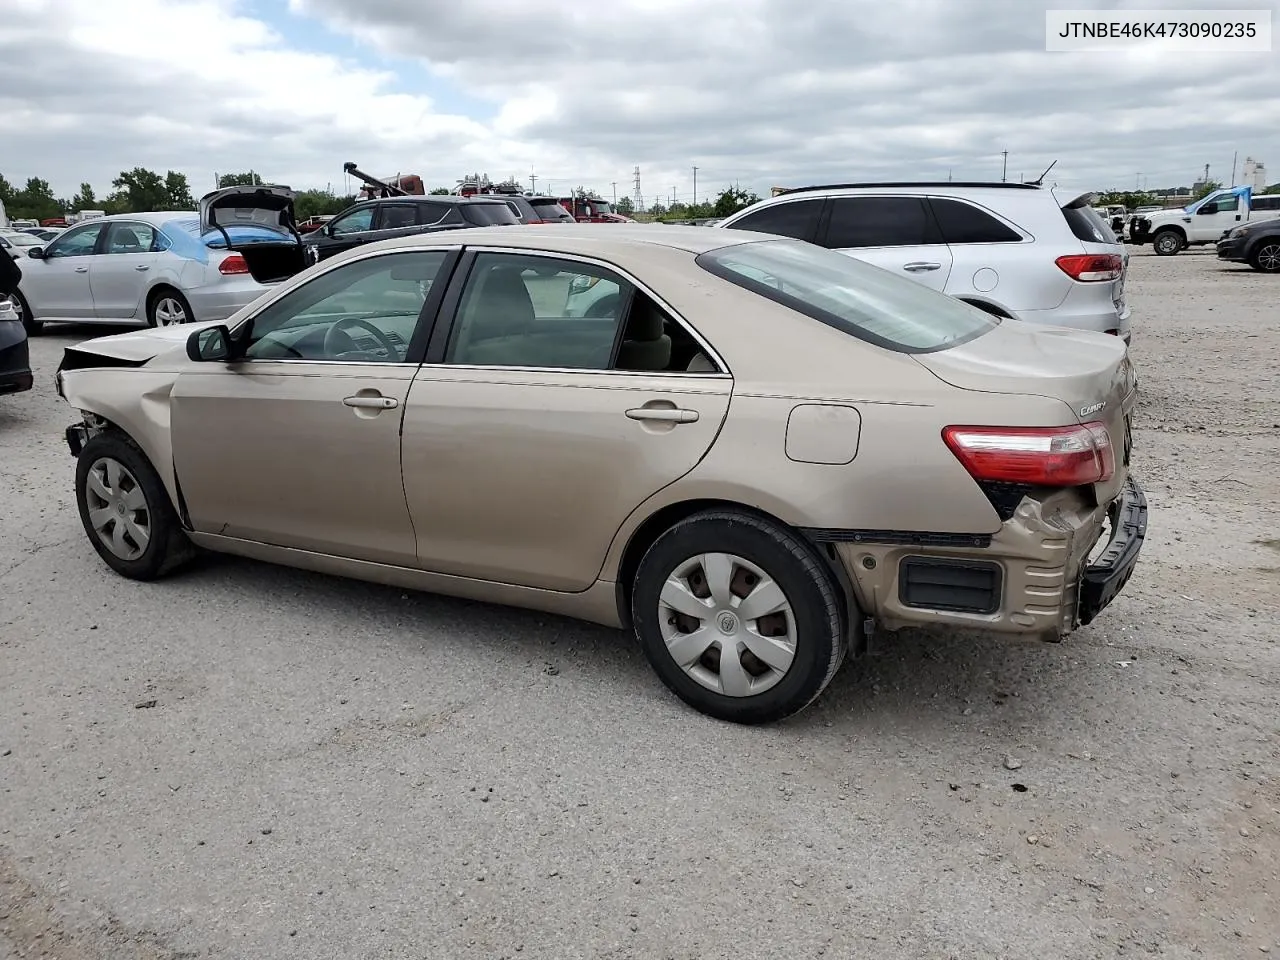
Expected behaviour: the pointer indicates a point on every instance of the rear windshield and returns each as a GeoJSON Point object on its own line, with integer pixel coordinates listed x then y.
{"type": "Point", "coordinates": [488, 214]}
{"type": "Point", "coordinates": [551, 210]}
{"type": "Point", "coordinates": [855, 297]}
{"type": "Point", "coordinates": [1087, 225]}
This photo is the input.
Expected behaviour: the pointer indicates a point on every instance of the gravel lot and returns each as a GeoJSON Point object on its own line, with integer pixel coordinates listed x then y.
{"type": "Point", "coordinates": [246, 761]}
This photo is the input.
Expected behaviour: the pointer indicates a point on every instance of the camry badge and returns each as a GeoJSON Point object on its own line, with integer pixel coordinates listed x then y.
{"type": "Point", "coordinates": [1092, 408]}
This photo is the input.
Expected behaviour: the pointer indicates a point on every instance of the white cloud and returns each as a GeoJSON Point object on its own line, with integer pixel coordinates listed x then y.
{"type": "Point", "coordinates": [759, 91]}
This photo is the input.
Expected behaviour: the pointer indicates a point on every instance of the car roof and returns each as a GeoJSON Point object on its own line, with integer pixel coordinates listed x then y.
{"type": "Point", "coordinates": [435, 198]}
{"type": "Point", "coordinates": [588, 238]}
{"type": "Point", "coordinates": [153, 216]}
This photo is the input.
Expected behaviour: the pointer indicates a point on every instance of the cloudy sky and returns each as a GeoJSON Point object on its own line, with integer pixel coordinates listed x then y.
{"type": "Point", "coordinates": [760, 92]}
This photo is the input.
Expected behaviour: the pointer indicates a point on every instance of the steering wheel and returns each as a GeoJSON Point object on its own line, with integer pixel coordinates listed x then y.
{"type": "Point", "coordinates": [333, 346]}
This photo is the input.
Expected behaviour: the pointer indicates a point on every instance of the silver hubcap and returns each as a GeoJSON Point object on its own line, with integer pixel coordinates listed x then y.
{"type": "Point", "coordinates": [17, 307]}
{"type": "Point", "coordinates": [727, 624]}
{"type": "Point", "coordinates": [118, 509]}
{"type": "Point", "coordinates": [1269, 257]}
{"type": "Point", "coordinates": [168, 312]}
{"type": "Point", "coordinates": [1168, 242]}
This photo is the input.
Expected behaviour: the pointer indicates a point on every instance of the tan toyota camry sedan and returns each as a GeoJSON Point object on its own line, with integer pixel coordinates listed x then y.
{"type": "Point", "coordinates": [748, 450]}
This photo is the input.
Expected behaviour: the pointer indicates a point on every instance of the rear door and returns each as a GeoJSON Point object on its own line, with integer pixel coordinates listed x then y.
{"type": "Point", "coordinates": [530, 436]}
{"type": "Point", "coordinates": [895, 233]}
{"type": "Point", "coordinates": [120, 274]}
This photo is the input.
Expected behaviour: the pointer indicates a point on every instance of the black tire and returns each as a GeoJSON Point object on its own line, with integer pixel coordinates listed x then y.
{"type": "Point", "coordinates": [805, 582]}
{"type": "Point", "coordinates": [167, 547]}
{"type": "Point", "coordinates": [604, 307]}
{"type": "Point", "coordinates": [161, 294]}
{"type": "Point", "coordinates": [1265, 257]}
{"type": "Point", "coordinates": [32, 326]}
{"type": "Point", "coordinates": [1166, 243]}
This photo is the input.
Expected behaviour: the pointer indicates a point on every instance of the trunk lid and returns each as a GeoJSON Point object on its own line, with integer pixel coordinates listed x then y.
{"type": "Point", "coordinates": [258, 223]}
{"type": "Point", "coordinates": [1090, 372]}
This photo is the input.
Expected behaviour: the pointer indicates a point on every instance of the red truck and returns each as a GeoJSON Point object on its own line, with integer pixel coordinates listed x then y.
{"type": "Point", "coordinates": [592, 210]}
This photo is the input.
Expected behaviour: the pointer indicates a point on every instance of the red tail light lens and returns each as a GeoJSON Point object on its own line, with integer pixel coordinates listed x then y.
{"type": "Point", "coordinates": [1039, 456]}
{"type": "Point", "coordinates": [233, 264]}
{"type": "Point", "coordinates": [1092, 267]}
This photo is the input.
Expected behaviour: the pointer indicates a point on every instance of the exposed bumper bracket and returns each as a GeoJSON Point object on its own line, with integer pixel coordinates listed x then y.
{"type": "Point", "coordinates": [1103, 579]}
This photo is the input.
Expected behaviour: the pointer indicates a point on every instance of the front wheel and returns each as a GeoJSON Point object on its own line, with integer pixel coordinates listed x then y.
{"type": "Point", "coordinates": [1266, 257]}
{"type": "Point", "coordinates": [738, 617]}
{"type": "Point", "coordinates": [1167, 243]}
{"type": "Point", "coordinates": [126, 510]}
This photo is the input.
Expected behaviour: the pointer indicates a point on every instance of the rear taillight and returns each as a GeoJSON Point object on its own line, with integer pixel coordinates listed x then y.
{"type": "Point", "coordinates": [1092, 267]}
{"type": "Point", "coordinates": [1037, 456]}
{"type": "Point", "coordinates": [233, 263]}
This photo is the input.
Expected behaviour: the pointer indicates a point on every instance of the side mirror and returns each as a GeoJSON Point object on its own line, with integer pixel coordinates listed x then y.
{"type": "Point", "coordinates": [1208, 208]}
{"type": "Point", "coordinates": [36, 253]}
{"type": "Point", "coordinates": [210, 345]}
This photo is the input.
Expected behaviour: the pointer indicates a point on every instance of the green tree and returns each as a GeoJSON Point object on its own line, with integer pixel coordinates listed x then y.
{"type": "Point", "coordinates": [178, 191]}
{"type": "Point", "coordinates": [731, 200]}
{"type": "Point", "coordinates": [1274, 188]}
{"type": "Point", "coordinates": [625, 207]}
{"type": "Point", "coordinates": [35, 201]}
{"type": "Point", "coordinates": [138, 191]}
{"type": "Point", "coordinates": [1127, 198]}
{"type": "Point", "coordinates": [1206, 188]}
{"type": "Point", "coordinates": [319, 203]}
{"type": "Point", "coordinates": [6, 191]}
{"type": "Point", "coordinates": [84, 200]}
{"type": "Point", "coordinates": [441, 192]}
{"type": "Point", "coordinates": [247, 179]}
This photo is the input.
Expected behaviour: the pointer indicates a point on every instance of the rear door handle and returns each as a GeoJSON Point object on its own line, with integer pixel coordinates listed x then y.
{"type": "Point", "coordinates": [917, 266]}
{"type": "Point", "coordinates": [82, 269]}
{"type": "Point", "coordinates": [142, 266]}
{"type": "Point", "coordinates": [377, 403]}
{"type": "Point", "coordinates": [665, 414]}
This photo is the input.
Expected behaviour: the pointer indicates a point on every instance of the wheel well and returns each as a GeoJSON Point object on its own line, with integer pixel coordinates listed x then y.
{"type": "Point", "coordinates": [667, 517]}
{"type": "Point", "coordinates": [1170, 229]}
{"type": "Point", "coordinates": [990, 308]}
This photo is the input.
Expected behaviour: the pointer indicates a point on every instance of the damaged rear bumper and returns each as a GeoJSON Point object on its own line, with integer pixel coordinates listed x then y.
{"type": "Point", "coordinates": [1033, 578]}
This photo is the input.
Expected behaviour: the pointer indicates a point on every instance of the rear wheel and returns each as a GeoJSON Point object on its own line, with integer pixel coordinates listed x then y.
{"type": "Point", "coordinates": [126, 510]}
{"type": "Point", "coordinates": [738, 617]}
{"type": "Point", "coordinates": [167, 307]}
{"type": "Point", "coordinates": [1168, 242]}
{"type": "Point", "coordinates": [1266, 257]}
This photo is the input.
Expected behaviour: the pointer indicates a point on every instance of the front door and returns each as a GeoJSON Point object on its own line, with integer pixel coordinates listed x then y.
{"type": "Point", "coordinates": [120, 274]}
{"type": "Point", "coordinates": [346, 230]}
{"type": "Point", "coordinates": [57, 285]}
{"type": "Point", "coordinates": [896, 233]}
{"type": "Point", "coordinates": [538, 433]}
{"type": "Point", "coordinates": [297, 444]}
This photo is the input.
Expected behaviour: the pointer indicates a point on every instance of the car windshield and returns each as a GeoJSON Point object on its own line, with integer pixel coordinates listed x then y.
{"type": "Point", "coordinates": [488, 214]}
{"type": "Point", "coordinates": [23, 240]}
{"type": "Point", "coordinates": [855, 297]}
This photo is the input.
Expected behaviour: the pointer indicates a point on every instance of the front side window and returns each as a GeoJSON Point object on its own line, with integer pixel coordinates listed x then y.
{"type": "Point", "coordinates": [1227, 204]}
{"type": "Point", "coordinates": [797, 219]}
{"type": "Point", "coordinates": [76, 242]}
{"type": "Point", "coordinates": [362, 312]}
{"type": "Point", "coordinates": [862, 300]}
{"type": "Point", "coordinates": [357, 221]}
{"type": "Point", "coordinates": [126, 237]}
{"type": "Point", "coordinates": [880, 222]}
{"type": "Point", "coordinates": [531, 311]}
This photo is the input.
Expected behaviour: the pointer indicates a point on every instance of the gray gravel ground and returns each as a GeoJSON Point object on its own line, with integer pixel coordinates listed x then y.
{"type": "Point", "coordinates": [331, 769]}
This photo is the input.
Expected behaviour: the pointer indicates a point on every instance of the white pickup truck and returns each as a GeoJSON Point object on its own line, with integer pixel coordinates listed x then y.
{"type": "Point", "coordinates": [1203, 222]}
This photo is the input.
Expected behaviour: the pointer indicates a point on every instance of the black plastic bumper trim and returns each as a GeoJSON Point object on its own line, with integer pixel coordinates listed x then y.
{"type": "Point", "coordinates": [903, 538]}
{"type": "Point", "coordinates": [1102, 581]}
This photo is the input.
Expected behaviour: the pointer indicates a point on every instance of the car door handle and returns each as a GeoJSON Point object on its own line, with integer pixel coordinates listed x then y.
{"type": "Point", "coordinates": [377, 403]}
{"type": "Point", "coordinates": [142, 266]}
{"type": "Point", "coordinates": [665, 414]}
{"type": "Point", "coordinates": [82, 269]}
{"type": "Point", "coordinates": [916, 266]}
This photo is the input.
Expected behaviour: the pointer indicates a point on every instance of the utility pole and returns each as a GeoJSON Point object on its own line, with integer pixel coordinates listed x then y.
{"type": "Point", "coordinates": [948, 174]}
{"type": "Point", "coordinates": [533, 181]}
{"type": "Point", "coordinates": [1234, 157]}
{"type": "Point", "coordinates": [695, 186]}
{"type": "Point", "coordinates": [615, 193]}
{"type": "Point", "coordinates": [1004, 169]}
{"type": "Point", "coordinates": [639, 195]}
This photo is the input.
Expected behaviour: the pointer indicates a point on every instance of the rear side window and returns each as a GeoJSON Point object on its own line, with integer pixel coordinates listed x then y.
{"type": "Point", "coordinates": [488, 214]}
{"type": "Point", "coordinates": [880, 222]}
{"type": "Point", "coordinates": [797, 219]}
{"type": "Point", "coordinates": [1266, 202]}
{"type": "Point", "coordinates": [515, 209]}
{"type": "Point", "coordinates": [551, 210]}
{"type": "Point", "coordinates": [962, 222]}
{"type": "Point", "coordinates": [394, 215]}
{"type": "Point", "coordinates": [1087, 225]}
{"type": "Point", "coordinates": [852, 296]}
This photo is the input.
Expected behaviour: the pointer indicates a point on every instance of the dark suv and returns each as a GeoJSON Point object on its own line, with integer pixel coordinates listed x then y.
{"type": "Point", "coordinates": [385, 218]}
